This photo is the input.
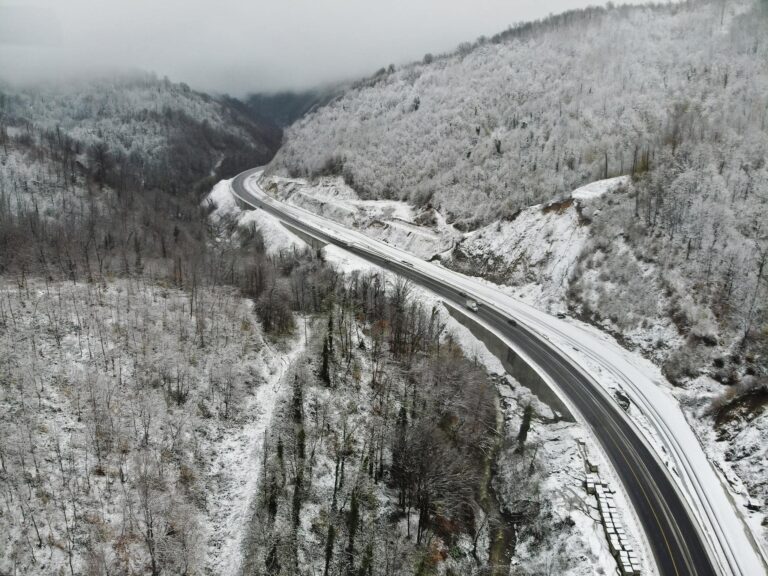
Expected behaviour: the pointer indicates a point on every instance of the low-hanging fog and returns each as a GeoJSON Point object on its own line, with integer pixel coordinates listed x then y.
{"type": "Point", "coordinates": [241, 46]}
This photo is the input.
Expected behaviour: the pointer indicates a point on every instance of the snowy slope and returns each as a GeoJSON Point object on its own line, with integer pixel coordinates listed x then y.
{"type": "Point", "coordinates": [237, 468]}
{"type": "Point", "coordinates": [660, 418]}
{"type": "Point", "coordinates": [277, 238]}
{"type": "Point", "coordinates": [536, 252]}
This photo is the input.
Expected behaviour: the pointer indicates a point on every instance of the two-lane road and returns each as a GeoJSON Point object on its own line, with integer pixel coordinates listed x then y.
{"type": "Point", "coordinates": [676, 539]}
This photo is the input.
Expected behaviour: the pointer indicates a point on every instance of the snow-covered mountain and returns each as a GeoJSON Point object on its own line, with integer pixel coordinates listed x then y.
{"type": "Point", "coordinates": [157, 132]}
{"type": "Point", "coordinates": [534, 112]}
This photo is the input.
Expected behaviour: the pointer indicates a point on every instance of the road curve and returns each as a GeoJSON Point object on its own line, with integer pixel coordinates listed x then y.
{"type": "Point", "coordinates": [673, 534]}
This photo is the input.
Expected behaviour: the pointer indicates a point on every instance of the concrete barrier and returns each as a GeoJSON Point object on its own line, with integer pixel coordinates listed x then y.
{"type": "Point", "coordinates": [515, 365]}
{"type": "Point", "coordinates": [313, 242]}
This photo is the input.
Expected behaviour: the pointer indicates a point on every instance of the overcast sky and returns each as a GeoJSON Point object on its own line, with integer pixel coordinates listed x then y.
{"type": "Point", "coordinates": [241, 46]}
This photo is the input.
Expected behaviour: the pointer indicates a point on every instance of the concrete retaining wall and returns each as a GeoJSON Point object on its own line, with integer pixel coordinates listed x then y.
{"type": "Point", "coordinates": [313, 242]}
{"type": "Point", "coordinates": [513, 363]}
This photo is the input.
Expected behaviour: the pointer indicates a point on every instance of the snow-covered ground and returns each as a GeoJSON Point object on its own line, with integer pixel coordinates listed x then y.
{"type": "Point", "coordinates": [277, 238]}
{"type": "Point", "coordinates": [556, 444]}
{"type": "Point", "coordinates": [657, 413]}
{"type": "Point", "coordinates": [536, 252]}
{"type": "Point", "coordinates": [599, 188]}
{"type": "Point", "coordinates": [642, 321]}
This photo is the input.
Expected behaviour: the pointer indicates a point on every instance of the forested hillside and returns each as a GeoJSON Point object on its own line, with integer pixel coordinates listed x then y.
{"type": "Point", "coordinates": [102, 176]}
{"type": "Point", "coordinates": [139, 130]}
{"type": "Point", "coordinates": [675, 96]}
{"type": "Point", "coordinates": [531, 113]}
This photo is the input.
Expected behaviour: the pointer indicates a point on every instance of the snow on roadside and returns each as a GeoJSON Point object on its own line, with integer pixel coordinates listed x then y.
{"type": "Point", "coordinates": [736, 446]}
{"type": "Point", "coordinates": [392, 221]}
{"type": "Point", "coordinates": [557, 444]}
{"type": "Point", "coordinates": [662, 419]}
{"type": "Point", "coordinates": [221, 197]}
{"type": "Point", "coordinates": [277, 238]}
{"type": "Point", "coordinates": [348, 263]}
{"type": "Point", "coordinates": [536, 251]}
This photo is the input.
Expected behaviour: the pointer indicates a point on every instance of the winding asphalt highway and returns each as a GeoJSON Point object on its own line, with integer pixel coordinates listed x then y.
{"type": "Point", "coordinates": [672, 532]}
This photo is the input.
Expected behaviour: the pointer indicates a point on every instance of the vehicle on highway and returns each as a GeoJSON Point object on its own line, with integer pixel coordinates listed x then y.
{"type": "Point", "coordinates": [511, 321]}
{"type": "Point", "coordinates": [471, 304]}
{"type": "Point", "coordinates": [560, 315]}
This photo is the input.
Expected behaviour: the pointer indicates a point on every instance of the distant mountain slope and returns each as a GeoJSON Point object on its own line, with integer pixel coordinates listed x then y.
{"type": "Point", "coordinates": [284, 108]}
{"type": "Point", "coordinates": [156, 132]}
{"type": "Point", "coordinates": [113, 170]}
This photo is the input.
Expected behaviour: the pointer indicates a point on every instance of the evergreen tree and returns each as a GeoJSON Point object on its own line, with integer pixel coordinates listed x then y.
{"type": "Point", "coordinates": [329, 541]}
{"type": "Point", "coordinates": [325, 371]}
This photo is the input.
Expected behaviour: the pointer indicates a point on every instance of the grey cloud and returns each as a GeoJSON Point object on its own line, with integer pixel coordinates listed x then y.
{"type": "Point", "coordinates": [241, 46]}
